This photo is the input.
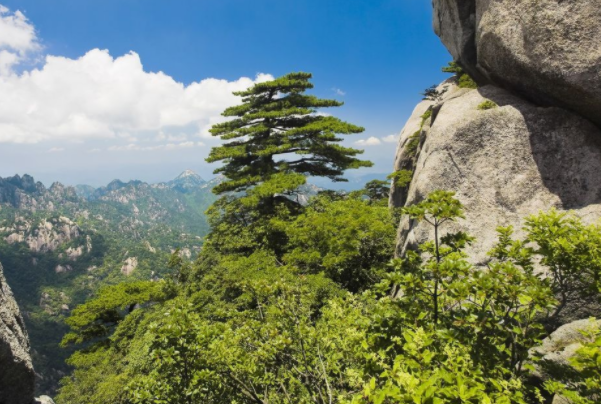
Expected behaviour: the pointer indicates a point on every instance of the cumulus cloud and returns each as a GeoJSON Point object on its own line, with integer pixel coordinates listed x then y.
{"type": "Point", "coordinates": [97, 96]}
{"type": "Point", "coordinates": [370, 141]}
{"type": "Point", "coordinates": [390, 139]}
{"type": "Point", "coordinates": [18, 39]}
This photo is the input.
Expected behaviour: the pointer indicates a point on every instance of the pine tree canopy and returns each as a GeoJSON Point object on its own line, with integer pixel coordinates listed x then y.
{"type": "Point", "coordinates": [277, 132]}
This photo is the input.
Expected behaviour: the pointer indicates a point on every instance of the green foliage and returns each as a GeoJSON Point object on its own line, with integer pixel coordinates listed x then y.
{"type": "Point", "coordinates": [572, 253]}
{"type": "Point", "coordinates": [377, 190]}
{"type": "Point", "coordinates": [255, 355]}
{"type": "Point", "coordinates": [463, 79]}
{"type": "Point", "coordinates": [433, 94]}
{"type": "Point", "coordinates": [488, 104]}
{"type": "Point", "coordinates": [348, 240]}
{"type": "Point", "coordinates": [583, 385]}
{"type": "Point", "coordinates": [276, 139]}
{"type": "Point", "coordinates": [438, 208]}
{"type": "Point", "coordinates": [435, 371]}
{"type": "Point", "coordinates": [97, 318]}
{"type": "Point", "coordinates": [309, 323]}
{"type": "Point", "coordinates": [466, 331]}
{"type": "Point", "coordinates": [401, 178]}
{"type": "Point", "coordinates": [275, 120]}
{"type": "Point", "coordinates": [413, 144]}
{"type": "Point", "coordinates": [242, 229]}
{"type": "Point", "coordinates": [453, 68]}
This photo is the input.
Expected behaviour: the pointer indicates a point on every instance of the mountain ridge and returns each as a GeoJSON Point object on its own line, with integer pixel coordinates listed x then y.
{"type": "Point", "coordinates": [60, 244]}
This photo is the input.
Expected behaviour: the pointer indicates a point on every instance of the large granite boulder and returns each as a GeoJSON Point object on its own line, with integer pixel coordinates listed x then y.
{"type": "Point", "coordinates": [17, 377]}
{"type": "Point", "coordinates": [504, 163]}
{"type": "Point", "coordinates": [546, 50]}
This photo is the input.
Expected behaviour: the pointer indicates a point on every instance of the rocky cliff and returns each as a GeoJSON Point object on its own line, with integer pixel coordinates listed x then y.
{"type": "Point", "coordinates": [529, 138]}
{"type": "Point", "coordinates": [545, 50]}
{"type": "Point", "coordinates": [17, 377]}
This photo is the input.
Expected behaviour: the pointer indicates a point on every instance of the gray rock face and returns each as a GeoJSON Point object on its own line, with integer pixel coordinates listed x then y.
{"type": "Point", "coordinates": [504, 163]}
{"type": "Point", "coordinates": [454, 22]}
{"type": "Point", "coordinates": [17, 377]}
{"type": "Point", "coordinates": [547, 50]}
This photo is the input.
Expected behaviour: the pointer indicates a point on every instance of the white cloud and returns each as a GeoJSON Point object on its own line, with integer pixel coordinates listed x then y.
{"type": "Point", "coordinates": [339, 91]}
{"type": "Point", "coordinates": [56, 149]}
{"type": "Point", "coordinates": [97, 96]}
{"type": "Point", "coordinates": [17, 39]}
{"type": "Point", "coordinates": [371, 141]}
{"type": "Point", "coordinates": [390, 138]}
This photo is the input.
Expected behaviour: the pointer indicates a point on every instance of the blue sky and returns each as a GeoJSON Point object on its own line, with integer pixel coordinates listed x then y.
{"type": "Point", "coordinates": [376, 56]}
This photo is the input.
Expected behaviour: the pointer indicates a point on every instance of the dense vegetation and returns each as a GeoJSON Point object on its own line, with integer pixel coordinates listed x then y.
{"type": "Point", "coordinates": [301, 304]}
{"type": "Point", "coordinates": [132, 220]}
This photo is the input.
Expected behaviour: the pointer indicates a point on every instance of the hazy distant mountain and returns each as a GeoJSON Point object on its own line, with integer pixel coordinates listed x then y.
{"type": "Point", "coordinates": [84, 191]}
{"type": "Point", "coordinates": [186, 181]}
{"type": "Point", "coordinates": [60, 244]}
{"type": "Point", "coordinates": [25, 193]}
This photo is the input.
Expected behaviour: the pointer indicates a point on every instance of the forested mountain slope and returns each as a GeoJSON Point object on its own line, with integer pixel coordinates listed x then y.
{"type": "Point", "coordinates": [59, 245]}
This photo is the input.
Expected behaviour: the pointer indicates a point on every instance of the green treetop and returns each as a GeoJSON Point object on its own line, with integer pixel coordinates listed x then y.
{"type": "Point", "coordinates": [276, 138]}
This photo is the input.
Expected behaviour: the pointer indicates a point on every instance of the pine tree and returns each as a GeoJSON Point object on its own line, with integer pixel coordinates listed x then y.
{"type": "Point", "coordinates": [277, 139]}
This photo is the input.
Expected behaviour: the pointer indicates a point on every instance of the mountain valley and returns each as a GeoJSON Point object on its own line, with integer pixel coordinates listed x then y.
{"type": "Point", "coordinates": [60, 244]}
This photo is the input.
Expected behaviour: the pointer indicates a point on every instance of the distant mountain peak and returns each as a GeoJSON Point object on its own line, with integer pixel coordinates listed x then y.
{"type": "Point", "coordinates": [186, 181]}
{"type": "Point", "coordinates": [188, 174]}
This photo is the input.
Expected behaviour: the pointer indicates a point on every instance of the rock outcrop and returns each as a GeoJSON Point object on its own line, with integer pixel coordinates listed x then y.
{"type": "Point", "coordinates": [554, 354]}
{"type": "Point", "coordinates": [505, 163]}
{"type": "Point", "coordinates": [546, 50]}
{"type": "Point", "coordinates": [129, 266]}
{"type": "Point", "coordinates": [556, 350]}
{"type": "Point", "coordinates": [17, 377]}
{"type": "Point", "coordinates": [44, 236]}
{"type": "Point", "coordinates": [528, 139]}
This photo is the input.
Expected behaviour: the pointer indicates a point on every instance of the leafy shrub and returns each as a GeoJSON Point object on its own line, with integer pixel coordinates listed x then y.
{"type": "Point", "coordinates": [347, 240]}
{"type": "Point", "coordinates": [401, 178]}
{"type": "Point", "coordinates": [584, 385]}
{"type": "Point", "coordinates": [463, 79]}
{"type": "Point", "coordinates": [488, 104]}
